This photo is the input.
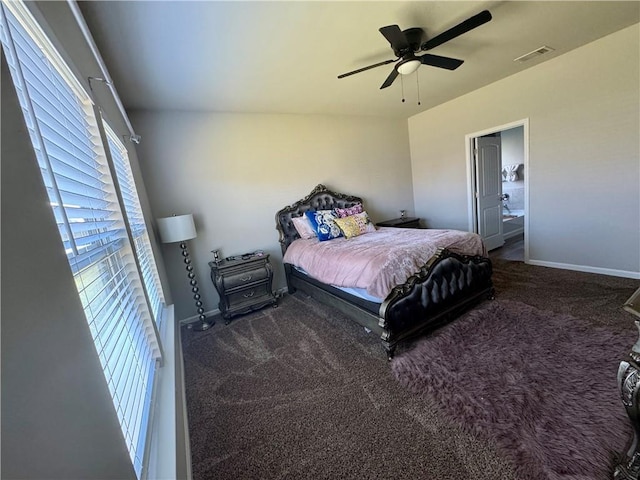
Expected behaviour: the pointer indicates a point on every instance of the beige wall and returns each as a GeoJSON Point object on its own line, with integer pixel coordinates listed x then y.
{"type": "Point", "coordinates": [235, 171]}
{"type": "Point", "coordinates": [584, 164]}
{"type": "Point", "coordinates": [512, 146]}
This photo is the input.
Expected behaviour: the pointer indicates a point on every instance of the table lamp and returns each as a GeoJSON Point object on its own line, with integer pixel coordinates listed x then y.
{"type": "Point", "coordinates": [180, 228]}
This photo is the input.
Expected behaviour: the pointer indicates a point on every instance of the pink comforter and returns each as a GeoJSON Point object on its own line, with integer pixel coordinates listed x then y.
{"type": "Point", "coordinates": [380, 260]}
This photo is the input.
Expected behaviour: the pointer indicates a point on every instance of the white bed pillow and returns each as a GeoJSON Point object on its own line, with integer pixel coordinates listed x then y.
{"type": "Point", "coordinates": [303, 227]}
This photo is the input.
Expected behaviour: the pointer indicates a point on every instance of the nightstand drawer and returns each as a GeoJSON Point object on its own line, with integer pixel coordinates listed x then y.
{"type": "Point", "coordinates": [249, 294]}
{"type": "Point", "coordinates": [244, 278]}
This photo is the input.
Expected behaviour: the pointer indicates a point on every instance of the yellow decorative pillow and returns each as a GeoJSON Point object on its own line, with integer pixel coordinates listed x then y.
{"type": "Point", "coordinates": [355, 225]}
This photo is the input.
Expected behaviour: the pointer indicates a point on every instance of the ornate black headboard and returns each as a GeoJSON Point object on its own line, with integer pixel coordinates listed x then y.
{"type": "Point", "coordinates": [320, 198]}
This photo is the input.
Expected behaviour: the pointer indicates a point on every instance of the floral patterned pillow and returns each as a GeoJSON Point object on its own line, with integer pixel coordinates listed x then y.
{"type": "Point", "coordinates": [323, 222]}
{"type": "Point", "coordinates": [355, 225]}
{"type": "Point", "coordinates": [345, 212]}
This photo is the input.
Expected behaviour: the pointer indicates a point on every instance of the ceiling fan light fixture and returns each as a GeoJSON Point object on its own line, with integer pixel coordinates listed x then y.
{"type": "Point", "coordinates": [408, 66]}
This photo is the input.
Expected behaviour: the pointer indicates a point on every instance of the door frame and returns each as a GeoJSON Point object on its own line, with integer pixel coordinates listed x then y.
{"type": "Point", "coordinates": [469, 141]}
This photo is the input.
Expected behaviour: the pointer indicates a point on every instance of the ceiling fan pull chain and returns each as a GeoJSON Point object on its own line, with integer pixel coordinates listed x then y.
{"type": "Point", "coordinates": [402, 84]}
{"type": "Point", "coordinates": [418, 85]}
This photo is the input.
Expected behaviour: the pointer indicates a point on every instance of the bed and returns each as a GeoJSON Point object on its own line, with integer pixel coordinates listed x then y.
{"type": "Point", "coordinates": [439, 290]}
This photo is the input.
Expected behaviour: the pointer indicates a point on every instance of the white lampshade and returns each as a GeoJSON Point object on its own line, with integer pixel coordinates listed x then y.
{"type": "Point", "coordinates": [177, 228]}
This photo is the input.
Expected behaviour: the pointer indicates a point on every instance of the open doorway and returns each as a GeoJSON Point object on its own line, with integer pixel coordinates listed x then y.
{"type": "Point", "coordinates": [498, 179]}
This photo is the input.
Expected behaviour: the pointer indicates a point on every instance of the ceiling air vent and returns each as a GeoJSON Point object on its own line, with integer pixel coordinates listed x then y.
{"type": "Point", "coordinates": [536, 53]}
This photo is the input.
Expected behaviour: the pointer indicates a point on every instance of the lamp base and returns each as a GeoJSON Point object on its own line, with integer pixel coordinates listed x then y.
{"type": "Point", "coordinates": [202, 326]}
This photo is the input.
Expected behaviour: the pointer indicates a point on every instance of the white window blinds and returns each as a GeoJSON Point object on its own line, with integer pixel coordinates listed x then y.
{"type": "Point", "coordinates": [136, 222]}
{"type": "Point", "coordinates": [62, 124]}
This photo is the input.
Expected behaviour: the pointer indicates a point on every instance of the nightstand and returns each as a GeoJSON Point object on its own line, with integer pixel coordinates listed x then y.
{"type": "Point", "coordinates": [244, 285]}
{"type": "Point", "coordinates": [402, 222]}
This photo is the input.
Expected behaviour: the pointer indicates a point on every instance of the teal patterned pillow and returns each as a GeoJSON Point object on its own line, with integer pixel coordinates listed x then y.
{"type": "Point", "coordinates": [323, 222]}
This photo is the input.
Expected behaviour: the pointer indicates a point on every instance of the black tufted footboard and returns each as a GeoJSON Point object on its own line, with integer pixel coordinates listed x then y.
{"type": "Point", "coordinates": [448, 284]}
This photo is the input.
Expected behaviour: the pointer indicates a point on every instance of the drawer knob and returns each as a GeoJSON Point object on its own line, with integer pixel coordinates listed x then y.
{"type": "Point", "coordinates": [246, 279]}
{"type": "Point", "coordinates": [249, 295]}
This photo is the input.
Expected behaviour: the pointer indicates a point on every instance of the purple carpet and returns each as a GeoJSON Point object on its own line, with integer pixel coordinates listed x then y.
{"type": "Point", "coordinates": [540, 385]}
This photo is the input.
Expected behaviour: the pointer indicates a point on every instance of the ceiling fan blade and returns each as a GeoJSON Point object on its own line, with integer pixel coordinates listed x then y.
{"type": "Point", "coordinates": [441, 62]}
{"type": "Point", "coordinates": [386, 62]}
{"type": "Point", "coordinates": [395, 37]}
{"type": "Point", "coordinates": [469, 24]}
{"type": "Point", "coordinates": [392, 76]}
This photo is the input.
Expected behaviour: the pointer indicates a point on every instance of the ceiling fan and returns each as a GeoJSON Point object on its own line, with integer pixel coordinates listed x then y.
{"type": "Point", "coordinates": [406, 43]}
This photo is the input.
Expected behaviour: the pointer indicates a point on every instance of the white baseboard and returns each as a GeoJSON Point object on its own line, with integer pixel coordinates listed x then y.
{"type": "Point", "coordinates": [196, 318]}
{"type": "Point", "coordinates": [586, 269]}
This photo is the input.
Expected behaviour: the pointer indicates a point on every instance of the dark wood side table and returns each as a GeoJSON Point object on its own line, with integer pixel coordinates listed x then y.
{"type": "Point", "coordinates": [402, 222]}
{"type": "Point", "coordinates": [628, 467]}
{"type": "Point", "coordinates": [244, 285]}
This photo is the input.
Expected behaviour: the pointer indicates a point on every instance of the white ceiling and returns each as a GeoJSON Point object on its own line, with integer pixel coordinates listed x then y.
{"type": "Point", "coordinates": [284, 57]}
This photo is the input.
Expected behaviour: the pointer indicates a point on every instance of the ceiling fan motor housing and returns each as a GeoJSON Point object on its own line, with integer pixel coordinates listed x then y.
{"type": "Point", "coordinates": [415, 37]}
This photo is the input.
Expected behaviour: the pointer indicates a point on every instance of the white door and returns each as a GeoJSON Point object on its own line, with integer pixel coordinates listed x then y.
{"type": "Point", "coordinates": [489, 190]}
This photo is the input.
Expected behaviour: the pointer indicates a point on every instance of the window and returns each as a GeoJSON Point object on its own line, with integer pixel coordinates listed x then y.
{"type": "Point", "coordinates": [65, 134]}
{"type": "Point", "coordinates": [135, 220]}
